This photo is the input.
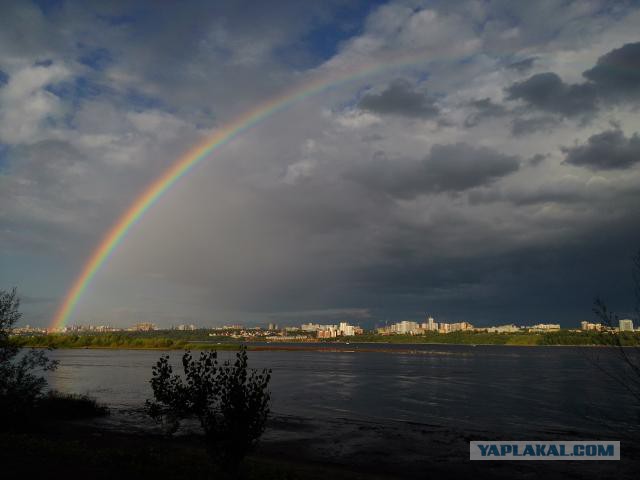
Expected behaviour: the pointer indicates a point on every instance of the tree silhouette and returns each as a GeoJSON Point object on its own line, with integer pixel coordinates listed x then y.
{"type": "Point", "coordinates": [230, 401]}
{"type": "Point", "coordinates": [21, 382]}
{"type": "Point", "coordinates": [629, 357]}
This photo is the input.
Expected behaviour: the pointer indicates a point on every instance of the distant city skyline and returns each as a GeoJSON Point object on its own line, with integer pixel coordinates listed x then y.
{"type": "Point", "coordinates": [341, 329]}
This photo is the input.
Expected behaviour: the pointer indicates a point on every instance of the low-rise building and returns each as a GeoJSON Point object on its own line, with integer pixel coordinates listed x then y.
{"type": "Point", "coordinates": [346, 329]}
{"type": "Point", "coordinates": [310, 327]}
{"type": "Point", "coordinates": [509, 328]}
{"type": "Point", "coordinates": [460, 326]}
{"type": "Point", "coordinates": [28, 329]}
{"type": "Point", "coordinates": [413, 328]}
{"type": "Point", "coordinates": [626, 325]}
{"type": "Point", "coordinates": [329, 333]}
{"type": "Point", "coordinates": [544, 327]}
{"type": "Point", "coordinates": [287, 338]}
{"type": "Point", "coordinates": [444, 327]}
{"type": "Point", "coordinates": [587, 326]}
{"type": "Point", "coordinates": [144, 327]}
{"type": "Point", "coordinates": [189, 327]}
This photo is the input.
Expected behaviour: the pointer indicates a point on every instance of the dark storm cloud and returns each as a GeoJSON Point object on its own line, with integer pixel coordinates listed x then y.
{"type": "Point", "coordinates": [374, 137]}
{"type": "Point", "coordinates": [559, 192]}
{"type": "Point", "coordinates": [484, 109]}
{"type": "Point", "coordinates": [614, 78]}
{"type": "Point", "coordinates": [447, 168]}
{"type": "Point", "coordinates": [537, 159]}
{"type": "Point", "coordinates": [460, 166]}
{"type": "Point", "coordinates": [522, 66]}
{"type": "Point", "coordinates": [527, 125]}
{"type": "Point", "coordinates": [506, 287]}
{"type": "Point", "coordinates": [547, 92]}
{"type": "Point", "coordinates": [609, 150]}
{"type": "Point", "coordinates": [400, 98]}
{"type": "Point", "coordinates": [617, 73]}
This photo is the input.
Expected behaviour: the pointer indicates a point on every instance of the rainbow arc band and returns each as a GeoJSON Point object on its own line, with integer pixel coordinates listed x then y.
{"type": "Point", "coordinates": [191, 158]}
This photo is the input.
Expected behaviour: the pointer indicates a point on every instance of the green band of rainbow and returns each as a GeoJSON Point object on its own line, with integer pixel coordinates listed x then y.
{"type": "Point", "coordinates": [192, 157]}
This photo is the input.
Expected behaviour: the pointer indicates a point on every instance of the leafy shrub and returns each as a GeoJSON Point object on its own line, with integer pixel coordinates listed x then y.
{"type": "Point", "coordinates": [68, 406]}
{"type": "Point", "coordinates": [230, 401]}
{"type": "Point", "coordinates": [20, 381]}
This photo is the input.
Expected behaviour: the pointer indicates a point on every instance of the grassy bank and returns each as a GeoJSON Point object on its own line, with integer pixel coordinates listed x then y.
{"type": "Point", "coordinates": [67, 406]}
{"type": "Point", "coordinates": [169, 340]}
{"type": "Point", "coordinates": [30, 414]}
{"type": "Point", "coordinates": [120, 341]}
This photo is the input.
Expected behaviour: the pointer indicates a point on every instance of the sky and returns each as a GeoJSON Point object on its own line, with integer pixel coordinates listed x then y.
{"type": "Point", "coordinates": [494, 180]}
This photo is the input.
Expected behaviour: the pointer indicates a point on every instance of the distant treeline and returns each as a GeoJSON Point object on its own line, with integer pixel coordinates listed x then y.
{"type": "Point", "coordinates": [178, 340]}
{"type": "Point", "coordinates": [140, 340]}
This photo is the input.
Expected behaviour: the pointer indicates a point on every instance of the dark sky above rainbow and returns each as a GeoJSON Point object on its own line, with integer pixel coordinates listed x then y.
{"type": "Point", "coordinates": [375, 161]}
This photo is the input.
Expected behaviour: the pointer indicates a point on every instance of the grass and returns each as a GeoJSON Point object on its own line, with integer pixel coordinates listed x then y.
{"type": "Point", "coordinates": [77, 452]}
{"type": "Point", "coordinates": [65, 406]}
{"type": "Point", "coordinates": [164, 340]}
{"type": "Point", "coordinates": [121, 341]}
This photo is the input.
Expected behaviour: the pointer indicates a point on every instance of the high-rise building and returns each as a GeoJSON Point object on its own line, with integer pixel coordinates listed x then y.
{"type": "Point", "coordinates": [432, 324]}
{"type": "Point", "coordinates": [626, 325]}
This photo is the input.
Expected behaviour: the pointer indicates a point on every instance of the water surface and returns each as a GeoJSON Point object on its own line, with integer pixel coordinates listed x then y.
{"type": "Point", "coordinates": [498, 388]}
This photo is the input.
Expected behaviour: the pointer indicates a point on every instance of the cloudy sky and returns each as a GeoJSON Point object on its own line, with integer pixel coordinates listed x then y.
{"type": "Point", "coordinates": [495, 179]}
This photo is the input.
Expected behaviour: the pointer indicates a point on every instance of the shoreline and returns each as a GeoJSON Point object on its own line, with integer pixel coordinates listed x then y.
{"type": "Point", "coordinates": [337, 347]}
{"type": "Point", "coordinates": [342, 448]}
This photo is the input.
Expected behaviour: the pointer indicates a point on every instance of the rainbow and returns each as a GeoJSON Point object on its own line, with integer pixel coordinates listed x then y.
{"type": "Point", "coordinates": [196, 154]}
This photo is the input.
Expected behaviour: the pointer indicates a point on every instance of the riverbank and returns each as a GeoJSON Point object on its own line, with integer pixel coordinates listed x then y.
{"type": "Point", "coordinates": [201, 340]}
{"type": "Point", "coordinates": [328, 347]}
{"type": "Point", "coordinates": [292, 448]}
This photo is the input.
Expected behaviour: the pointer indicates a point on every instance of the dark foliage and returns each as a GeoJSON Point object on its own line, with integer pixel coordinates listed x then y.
{"type": "Point", "coordinates": [21, 382]}
{"type": "Point", "coordinates": [68, 406]}
{"type": "Point", "coordinates": [230, 401]}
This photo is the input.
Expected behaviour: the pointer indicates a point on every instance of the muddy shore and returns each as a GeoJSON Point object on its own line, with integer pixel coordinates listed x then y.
{"type": "Point", "coordinates": [295, 447]}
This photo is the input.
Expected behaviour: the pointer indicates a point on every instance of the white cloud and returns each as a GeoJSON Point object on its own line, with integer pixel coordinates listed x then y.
{"type": "Point", "coordinates": [25, 104]}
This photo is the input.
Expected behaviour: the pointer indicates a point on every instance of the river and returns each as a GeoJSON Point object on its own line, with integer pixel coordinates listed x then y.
{"type": "Point", "coordinates": [499, 388]}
